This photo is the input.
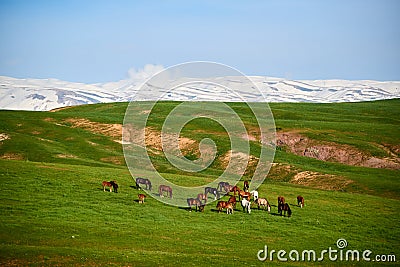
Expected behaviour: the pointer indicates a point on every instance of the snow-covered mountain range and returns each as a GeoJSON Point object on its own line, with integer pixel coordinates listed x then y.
{"type": "Point", "coordinates": [47, 94]}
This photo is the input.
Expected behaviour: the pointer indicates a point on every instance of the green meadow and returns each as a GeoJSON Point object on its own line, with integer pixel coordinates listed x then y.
{"type": "Point", "coordinates": [54, 211]}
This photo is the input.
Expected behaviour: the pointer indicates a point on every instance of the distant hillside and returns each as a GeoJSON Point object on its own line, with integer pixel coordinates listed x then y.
{"type": "Point", "coordinates": [47, 94]}
{"type": "Point", "coordinates": [342, 146]}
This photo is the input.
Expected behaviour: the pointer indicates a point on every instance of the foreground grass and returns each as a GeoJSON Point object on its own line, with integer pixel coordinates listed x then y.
{"type": "Point", "coordinates": [58, 214]}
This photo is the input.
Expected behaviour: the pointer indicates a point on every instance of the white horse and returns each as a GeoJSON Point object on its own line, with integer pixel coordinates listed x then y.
{"type": "Point", "coordinates": [255, 194]}
{"type": "Point", "coordinates": [246, 205]}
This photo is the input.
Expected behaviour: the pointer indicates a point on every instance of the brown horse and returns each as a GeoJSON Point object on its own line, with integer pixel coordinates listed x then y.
{"type": "Point", "coordinates": [234, 190]}
{"type": "Point", "coordinates": [245, 186]}
{"type": "Point", "coordinates": [111, 185]}
{"type": "Point", "coordinates": [300, 201]}
{"type": "Point", "coordinates": [202, 197]}
{"type": "Point", "coordinates": [221, 205]}
{"type": "Point", "coordinates": [141, 198]}
{"type": "Point", "coordinates": [165, 188]}
{"type": "Point", "coordinates": [193, 202]}
{"type": "Point", "coordinates": [232, 200]}
{"type": "Point", "coordinates": [243, 194]}
{"type": "Point", "coordinates": [229, 208]}
{"type": "Point", "coordinates": [107, 184]}
{"type": "Point", "coordinates": [285, 208]}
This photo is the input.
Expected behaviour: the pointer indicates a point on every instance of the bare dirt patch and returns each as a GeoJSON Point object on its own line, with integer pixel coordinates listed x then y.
{"type": "Point", "coordinates": [321, 181]}
{"type": "Point", "coordinates": [66, 156]}
{"type": "Point", "coordinates": [13, 156]}
{"type": "Point", "coordinates": [239, 162]}
{"type": "Point", "coordinates": [112, 130]}
{"type": "Point", "coordinates": [288, 173]}
{"type": "Point", "coordinates": [153, 140]}
{"type": "Point", "coordinates": [333, 152]}
{"type": "Point", "coordinates": [117, 160]}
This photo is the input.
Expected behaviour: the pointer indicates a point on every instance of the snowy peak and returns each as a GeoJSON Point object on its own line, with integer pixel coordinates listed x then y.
{"type": "Point", "coordinates": [47, 94]}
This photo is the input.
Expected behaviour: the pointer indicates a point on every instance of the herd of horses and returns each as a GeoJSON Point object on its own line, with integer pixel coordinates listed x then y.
{"type": "Point", "coordinates": [223, 188]}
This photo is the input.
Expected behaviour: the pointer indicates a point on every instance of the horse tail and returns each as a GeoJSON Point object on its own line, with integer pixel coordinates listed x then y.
{"type": "Point", "coordinates": [149, 185]}
{"type": "Point", "coordinates": [170, 193]}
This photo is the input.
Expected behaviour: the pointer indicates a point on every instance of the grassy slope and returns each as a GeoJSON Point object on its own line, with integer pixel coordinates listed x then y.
{"type": "Point", "coordinates": [45, 205]}
{"type": "Point", "coordinates": [46, 202]}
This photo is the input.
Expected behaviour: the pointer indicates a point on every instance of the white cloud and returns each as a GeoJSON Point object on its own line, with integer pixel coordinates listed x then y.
{"type": "Point", "coordinates": [146, 72]}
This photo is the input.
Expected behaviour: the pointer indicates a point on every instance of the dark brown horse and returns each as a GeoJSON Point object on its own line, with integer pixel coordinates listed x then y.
{"type": "Point", "coordinates": [144, 181]}
{"type": "Point", "coordinates": [281, 200]}
{"type": "Point", "coordinates": [300, 201]}
{"type": "Point", "coordinates": [245, 186]}
{"type": "Point", "coordinates": [193, 202]}
{"type": "Point", "coordinates": [115, 186]}
{"type": "Point", "coordinates": [165, 188]}
{"type": "Point", "coordinates": [285, 208]}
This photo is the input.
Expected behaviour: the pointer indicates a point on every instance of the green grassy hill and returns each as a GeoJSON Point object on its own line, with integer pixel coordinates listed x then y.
{"type": "Point", "coordinates": [54, 210]}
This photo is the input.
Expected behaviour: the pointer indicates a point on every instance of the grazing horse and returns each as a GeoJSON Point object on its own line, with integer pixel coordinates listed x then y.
{"type": "Point", "coordinates": [243, 194]}
{"type": "Point", "coordinates": [234, 190]}
{"type": "Point", "coordinates": [107, 184]}
{"type": "Point", "coordinates": [114, 185]}
{"type": "Point", "coordinates": [300, 201]}
{"type": "Point", "coordinates": [246, 205]}
{"type": "Point", "coordinates": [193, 202]}
{"type": "Point", "coordinates": [264, 203]}
{"type": "Point", "coordinates": [255, 194]}
{"type": "Point", "coordinates": [213, 191]}
{"type": "Point", "coordinates": [245, 186]}
{"type": "Point", "coordinates": [221, 186]}
{"type": "Point", "coordinates": [285, 208]}
{"type": "Point", "coordinates": [281, 200]}
{"type": "Point", "coordinates": [141, 198]}
{"type": "Point", "coordinates": [228, 188]}
{"type": "Point", "coordinates": [145, 181]}
{"type": "Point", "coordinates": [202, 197]}
{"type": "Point", "coordinates": [221, 205]}
{"type": "Point", "coordinates": [232, 200]}
{"type": "Point", "coordinates": [165, 188]}
{"type": "Point", "coordinates": [229, 208]}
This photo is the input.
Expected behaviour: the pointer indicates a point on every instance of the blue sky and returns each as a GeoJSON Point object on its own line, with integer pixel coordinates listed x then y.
{"type": "Point", "coordinates": [99, 41]}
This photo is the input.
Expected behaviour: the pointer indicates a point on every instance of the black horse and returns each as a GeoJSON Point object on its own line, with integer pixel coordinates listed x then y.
{"type": "Point", "coordinates": [115, 186]}
{"type": "Point", "coordinates": [145, 181]}
{"type": "Point", "coordinates": [213, 191]}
